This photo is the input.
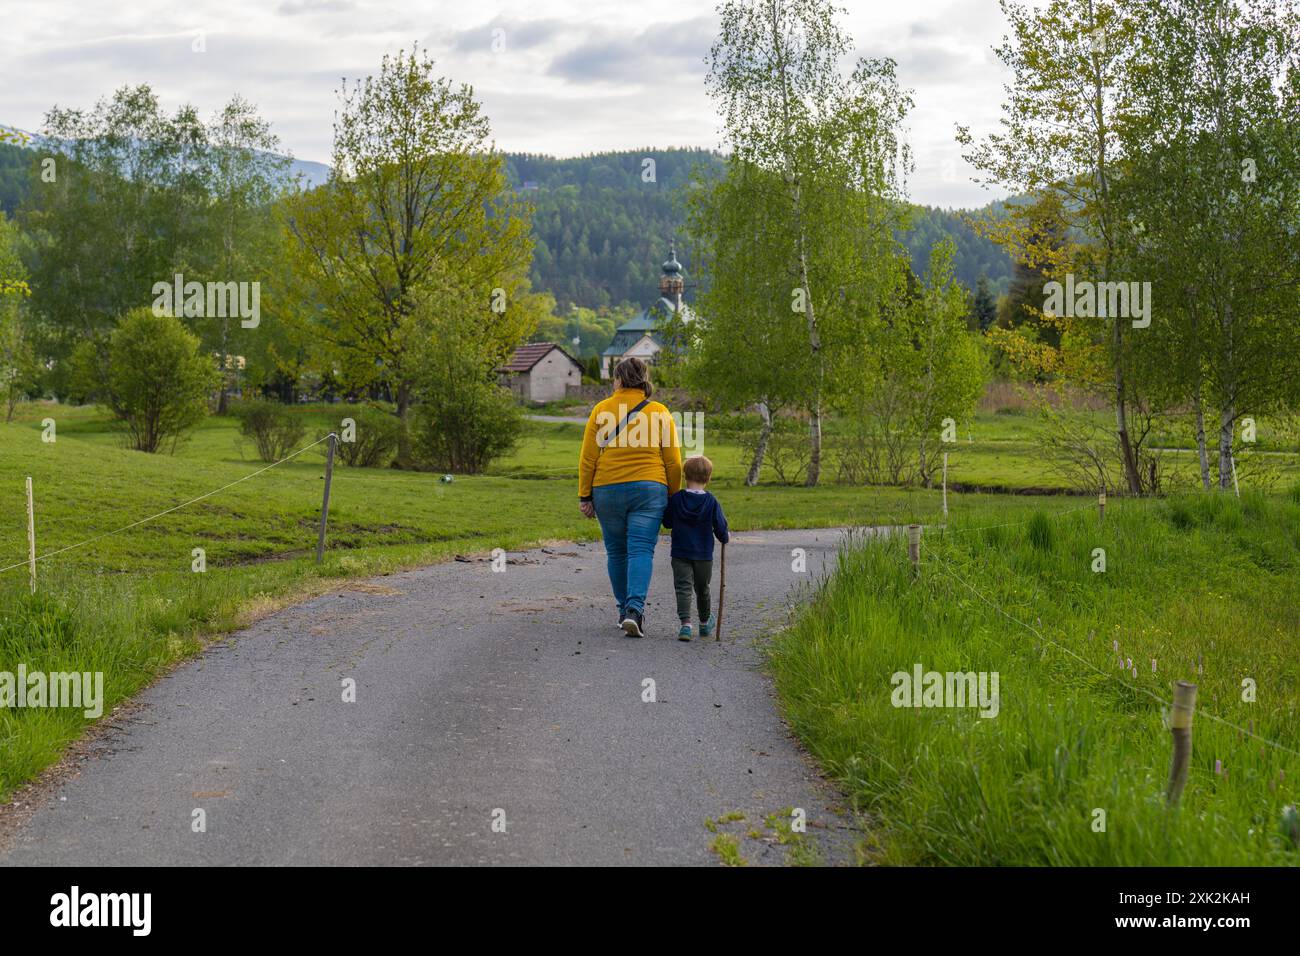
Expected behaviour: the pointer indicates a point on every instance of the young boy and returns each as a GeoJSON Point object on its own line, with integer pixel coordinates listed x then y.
{"type": "Point", "coordinates": [696, 519]}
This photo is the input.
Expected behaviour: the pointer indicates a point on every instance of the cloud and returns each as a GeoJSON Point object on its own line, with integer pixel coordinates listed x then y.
{"type": "Point", "coordinates": [293, 8]}
{"type": "Point", "coordinates": [517, 34]}
{"type": "Point", "coordinates": [657, 51]}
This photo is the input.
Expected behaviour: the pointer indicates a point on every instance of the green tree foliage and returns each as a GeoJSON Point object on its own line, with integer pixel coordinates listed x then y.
{"type": "Point", "coordinates": [747, 346]}
{"type": "Point", "coordinates": [1061, 143]}
{"type": "Point", "coordinates": [19, 369]}
{"type": "Point", "coordinates": [923, 367]}
{"type": "Point", "coordinates": [832, 143]}
{"type": "Point", "coordinates": [974, 254]}
{"type": "Point", "coordinates": [1213, 193]}
{"type": "Point", "coordinates": [246, 177]}
{"type": "Point", "coordinates": [416, 219]}
{"type": "Point", "coordinates": [983, 305]}
{"type": "Point", "coordinates": [134, 196]}
{"type": "Point", "coordinates": [464, 419]}
{"type": "Point", "coordinates": [15, 176]}
{"type": "Point", "coordinates": [156, 382]}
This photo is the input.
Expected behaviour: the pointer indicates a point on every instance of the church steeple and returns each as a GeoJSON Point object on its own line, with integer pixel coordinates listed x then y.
{"type": "Point", "coordinates": [672, 282]}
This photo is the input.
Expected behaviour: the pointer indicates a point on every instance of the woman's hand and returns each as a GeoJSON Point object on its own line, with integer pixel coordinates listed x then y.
{"type": "Point", "coordinates": [587, 508]}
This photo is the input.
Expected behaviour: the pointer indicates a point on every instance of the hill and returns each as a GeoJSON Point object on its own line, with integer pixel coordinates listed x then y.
{"type": "Point", "coordinates": [602, 224]}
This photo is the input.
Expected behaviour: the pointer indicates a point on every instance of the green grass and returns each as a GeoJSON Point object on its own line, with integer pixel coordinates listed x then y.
{"type": "Point", "coordinates": [1202, 579]}
{"type": "Point", "coordinates": [129, 604]}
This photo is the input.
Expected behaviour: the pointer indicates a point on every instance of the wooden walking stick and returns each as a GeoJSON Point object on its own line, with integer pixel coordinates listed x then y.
{"type": "Point", "coordinates": [722, 592]}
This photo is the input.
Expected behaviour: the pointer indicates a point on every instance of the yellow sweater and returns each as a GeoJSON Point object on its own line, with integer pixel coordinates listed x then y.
{"type": "Point", "coordinates": [646, 449]}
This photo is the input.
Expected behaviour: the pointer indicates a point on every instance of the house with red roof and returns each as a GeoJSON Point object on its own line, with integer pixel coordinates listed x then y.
{"type": "Point", "coordinates": [540, 372]}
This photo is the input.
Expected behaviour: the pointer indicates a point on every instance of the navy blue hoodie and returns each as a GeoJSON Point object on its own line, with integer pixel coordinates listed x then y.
{"type": "Point", "coordinates": [695, 518]}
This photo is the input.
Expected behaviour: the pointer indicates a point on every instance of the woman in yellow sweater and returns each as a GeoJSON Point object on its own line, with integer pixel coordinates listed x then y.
{"type": "Point", "coordinates": [631, 462]}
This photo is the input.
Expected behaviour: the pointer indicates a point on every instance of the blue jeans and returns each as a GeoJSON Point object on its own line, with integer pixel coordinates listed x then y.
{"type": "Point", "coordinates": [630, 514]}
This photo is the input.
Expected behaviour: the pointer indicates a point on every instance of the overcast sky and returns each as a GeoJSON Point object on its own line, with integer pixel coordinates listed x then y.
{"type": "Point", "coordinates": [575, 76]}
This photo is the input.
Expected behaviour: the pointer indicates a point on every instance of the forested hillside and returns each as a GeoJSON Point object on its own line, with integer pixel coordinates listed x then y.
{"type": "Point", "coordinates": [602, 227]}
{"type": "Point", "coordinates": [602, 231]}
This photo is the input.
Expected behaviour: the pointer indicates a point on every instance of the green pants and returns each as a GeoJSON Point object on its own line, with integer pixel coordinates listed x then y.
{"type": "Point", "coordinates": [691, 576]}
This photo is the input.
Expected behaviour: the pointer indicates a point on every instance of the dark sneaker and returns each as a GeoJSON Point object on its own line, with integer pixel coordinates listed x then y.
{"type": "Point", "coordinates": [633, 624]}
{"type": "Point", "coordinates": [618, 621]}
{"type": "Point", "coordinates": [706, 627]}
{"type": "Point", "coordinates": [685, 633]}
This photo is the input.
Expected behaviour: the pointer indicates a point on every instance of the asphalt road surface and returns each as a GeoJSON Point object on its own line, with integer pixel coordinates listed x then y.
{"type": "Point", "coordinates": [481, 698]}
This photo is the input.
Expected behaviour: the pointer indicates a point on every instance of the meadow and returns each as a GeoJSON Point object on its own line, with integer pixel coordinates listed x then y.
{"type": "Point", "coordinates": [1201, 578]}
{"type": "Point", "coordinates": [1071, 769]}
{"type": "Point", "coordinates": [129, 604]}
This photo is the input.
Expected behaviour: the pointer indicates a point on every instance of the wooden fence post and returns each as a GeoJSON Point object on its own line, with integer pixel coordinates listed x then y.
{"type": "Point", "coordinates": [1180, 726]}
{"type": "Point", "coordinates": [914, 548]}
{"type": "Point", "coordinates": [325, 501]}
{"type": "Point", "coordinates": [31, 534]}
{"type": "Point", "coordinates": [1101, 507]}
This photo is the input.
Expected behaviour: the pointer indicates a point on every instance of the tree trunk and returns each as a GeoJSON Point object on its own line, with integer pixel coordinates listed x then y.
{"type": "Point", "coordinates": [1227, 419]}
{"type": "Point", "coordinates": [221, 366]}
{"type": "Point", "coordinates": [1201, 451]}
{"type": "Point", "coordinates": [814, 338]}
{"type": "Point", "coordinates": [1228, 411]}
{"type": "Point", "coordinates": [404, 432]}
{"type": "Point", "coordinates": [815, 344]}
{"type": "Point", "coordinates": [1131, 475]}
{"type": "Point", "coordinates": [760, 452]}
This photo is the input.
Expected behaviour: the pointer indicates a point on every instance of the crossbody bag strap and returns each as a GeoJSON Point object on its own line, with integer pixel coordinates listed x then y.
{"type": "Point", "coordinates": [619, 427]}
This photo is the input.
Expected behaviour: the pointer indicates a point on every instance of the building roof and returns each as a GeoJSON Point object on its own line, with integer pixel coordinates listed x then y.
{"type": "Point", "coordinates": [526, 356]}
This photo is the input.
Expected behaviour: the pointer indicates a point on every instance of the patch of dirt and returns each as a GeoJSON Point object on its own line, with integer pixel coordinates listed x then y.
{"type": "Point", "coordinates": [365, 588]}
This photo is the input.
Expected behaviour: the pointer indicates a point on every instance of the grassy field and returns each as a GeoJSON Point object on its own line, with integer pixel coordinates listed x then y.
{"type": "Point", "coordinates": [1000, 449]}
{"type": "Point", "coordinates": [1204, 588]}
{"type": "Point", "coordinates": [1186, 577]}
{"type": "Point", "coordinates": [129, 605]}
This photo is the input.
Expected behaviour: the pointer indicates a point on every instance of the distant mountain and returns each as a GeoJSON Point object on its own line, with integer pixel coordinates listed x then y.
{"type": "Point", "coordinates": [602, 230]}
{"type": "Point", "coordinates": [312, 173]}
{"type": "Point", "coordinates": [602, 223]}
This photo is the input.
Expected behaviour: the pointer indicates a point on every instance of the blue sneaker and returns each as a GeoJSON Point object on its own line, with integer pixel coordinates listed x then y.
{"type": "Point", "coordinates": [706, 627]}
{"type": "Point", "coordinates": [685, 633]}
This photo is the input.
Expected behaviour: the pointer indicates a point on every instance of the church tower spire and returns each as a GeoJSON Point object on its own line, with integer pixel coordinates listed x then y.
{"type": "Point", "coordinates": [672, 282]}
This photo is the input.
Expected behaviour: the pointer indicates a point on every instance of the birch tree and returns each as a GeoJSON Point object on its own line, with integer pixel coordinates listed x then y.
{"type": "Point", "coordinates": [1066, 108]}
{"type": "Point", "coordinates": [833, 141]}
{"type": "Point", "coordinates": [1214, 188]}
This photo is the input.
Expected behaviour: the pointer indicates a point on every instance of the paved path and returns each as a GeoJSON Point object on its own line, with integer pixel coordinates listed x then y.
{"type": "Point", "coordinates": [475, 692]}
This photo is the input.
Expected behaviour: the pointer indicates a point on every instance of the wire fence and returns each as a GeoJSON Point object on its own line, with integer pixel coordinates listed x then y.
{"type": "Point", "coordinates": [952, 572]}
{"type": "Point", "coordinates": [135, 524]}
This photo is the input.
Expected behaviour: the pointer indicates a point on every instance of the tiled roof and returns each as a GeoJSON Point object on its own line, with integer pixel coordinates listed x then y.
{"type": "Point", "coordinates": [526, 356]}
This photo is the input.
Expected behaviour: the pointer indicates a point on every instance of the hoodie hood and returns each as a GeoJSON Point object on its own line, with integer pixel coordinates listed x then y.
{"type": "Point", "coordinates": [694, 505]}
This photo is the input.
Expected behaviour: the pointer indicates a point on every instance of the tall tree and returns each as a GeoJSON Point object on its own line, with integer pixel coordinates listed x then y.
{"type": "Point", "coordinates": [18, 367]}
{"type": "Point", "coordinates": [126, 206]}
{"type": "Point", "coordinates": [746, 345]}
{"type": "Point", "coordinates": [833, 140]}
{"type": "Point", "coordinates": [1062, 123]}
{"type": "Point", "coordinates": [417, 215]}
{"type": "Point", "coordinates": [247, 175]}
{"type": "Point", "coordinates": [984, 305]}
{"type": "Point", "coordinates": [1213, 190]}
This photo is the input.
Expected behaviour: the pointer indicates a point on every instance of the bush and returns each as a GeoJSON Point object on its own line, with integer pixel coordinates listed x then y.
{"type": "Point", "coordinates": [152, 378]}
{"type": "Point", "coordinates": [462, 430]}
{"type": "Point", "coordinates": [274, 428]}
{"type": "Point", "coordinates": [788, 451]}
{"type": "Point", "coordinates": [377, 435]}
